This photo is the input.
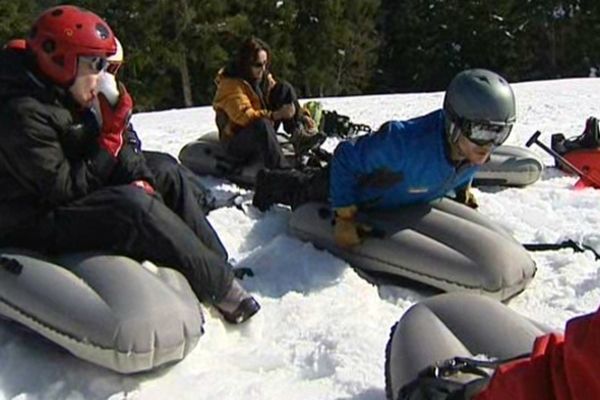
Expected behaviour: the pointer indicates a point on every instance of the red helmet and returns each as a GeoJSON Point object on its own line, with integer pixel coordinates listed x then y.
{"type": "Point", "coordinates": [61, 34]}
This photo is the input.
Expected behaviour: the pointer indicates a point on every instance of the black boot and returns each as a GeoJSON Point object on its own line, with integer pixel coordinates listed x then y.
{"type": "Point", "coordinates": [589, 138]}
{"type": "Point", "coordinates": [290, 187]}
{"type": "Point", "coordinates": [304, 141]}
{"type": "Point", "coordinates": [238, 305]}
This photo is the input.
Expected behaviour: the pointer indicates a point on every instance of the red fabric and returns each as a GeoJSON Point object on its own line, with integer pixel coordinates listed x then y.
{"type": "Point", "coordinates": [17, 44]}
{"type": "Point", "coordinates": [560, 368]}
{"type": "Point", "coordinates": [588, 162]}
{"type": "Point", "coordinates": [114, 121]}
{"type": "Point", "coordinates": [144, 185]}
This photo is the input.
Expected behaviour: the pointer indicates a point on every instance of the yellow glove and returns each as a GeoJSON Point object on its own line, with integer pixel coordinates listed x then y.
{"type": "Point", "coordinates": [347, 232]}
{"type": "Point", "coordinates": [466, 197]}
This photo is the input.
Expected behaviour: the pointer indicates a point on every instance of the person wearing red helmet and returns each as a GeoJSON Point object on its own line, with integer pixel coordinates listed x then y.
{"type": "Point", "coordinates": [71, 184]}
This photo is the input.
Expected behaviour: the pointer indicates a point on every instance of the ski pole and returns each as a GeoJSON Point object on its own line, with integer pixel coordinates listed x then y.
{"type": "Point", "coordinates": [534, 139]}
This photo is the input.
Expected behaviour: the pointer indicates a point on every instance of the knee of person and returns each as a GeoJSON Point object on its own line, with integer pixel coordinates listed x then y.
{"type": "Point", "coordinates": [165, 170]}
{"type": "Point", "coordinates": [263, 125]}
{"type": "Point", "coordinates": [158, 160]}
{"type": "Point", "coordinates": [131, 199]}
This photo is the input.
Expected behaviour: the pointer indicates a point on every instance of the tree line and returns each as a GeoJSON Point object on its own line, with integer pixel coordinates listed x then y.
{"type": "Point", "coordinates": [174, 48]}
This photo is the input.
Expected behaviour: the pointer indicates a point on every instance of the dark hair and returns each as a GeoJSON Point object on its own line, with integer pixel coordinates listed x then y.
{"type": "Point", "coordinates": [246, 56]}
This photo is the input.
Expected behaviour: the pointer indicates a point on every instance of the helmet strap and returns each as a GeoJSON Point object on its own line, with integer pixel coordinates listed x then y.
{"type": "Point", "coordinates": [455, 153]}
{"type": "Point", "coordinates": [455, 131]}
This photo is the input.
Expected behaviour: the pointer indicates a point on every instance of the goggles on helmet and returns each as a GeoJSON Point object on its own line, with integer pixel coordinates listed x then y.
{"type": "Point", "coordinates": [113, 67]}
{"type": "Point", "coordinates": [98, 64]}
{"type": "Point", "coordinates": [486, 133]}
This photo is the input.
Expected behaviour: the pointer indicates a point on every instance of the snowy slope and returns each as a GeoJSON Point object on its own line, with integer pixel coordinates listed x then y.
{"type": "Point", "coordinates": [322, 331]}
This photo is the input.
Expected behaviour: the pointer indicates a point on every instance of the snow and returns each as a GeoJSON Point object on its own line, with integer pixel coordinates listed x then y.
{"type": "Point", "coordinates": [322, 330]}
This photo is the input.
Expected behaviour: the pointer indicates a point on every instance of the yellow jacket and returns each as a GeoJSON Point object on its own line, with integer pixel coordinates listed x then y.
{"type": "Point", "coordinates": [237, 105]}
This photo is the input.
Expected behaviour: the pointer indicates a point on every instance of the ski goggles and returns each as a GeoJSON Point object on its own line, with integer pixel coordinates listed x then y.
{"type": "Point", "coordinates": [486, 133]}
{"type": "Point", "coordinates": [259, 65]}
{"type": "Point", "coordinates": [98, 64]}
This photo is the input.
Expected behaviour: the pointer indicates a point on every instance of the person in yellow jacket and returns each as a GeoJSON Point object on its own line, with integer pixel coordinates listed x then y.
{"type": "Point", "coordinates": [250, 105]}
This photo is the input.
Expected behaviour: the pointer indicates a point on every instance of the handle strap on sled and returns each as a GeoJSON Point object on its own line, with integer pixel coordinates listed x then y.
{"type": "Point", "coordinates": [435, 381]}
{"type": "Point", "coordinates": [567, 244]}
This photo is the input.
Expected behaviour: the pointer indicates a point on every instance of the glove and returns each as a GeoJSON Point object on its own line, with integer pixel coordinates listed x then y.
{"type": "Point", "coordinates": [347, 232]}
{"type": "Point", "coordinates": [114, 121]}
{"type": "Point", "coordinates": [466, 197]}
{"type": "Point", "coordinates": [144, 185]}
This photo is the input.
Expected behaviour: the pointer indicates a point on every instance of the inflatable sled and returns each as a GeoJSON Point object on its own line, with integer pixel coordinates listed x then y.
{"type": "Point", "coordinates": [509, 166]}
{"type": "Point", "coordinates": [454, 325]}
{"type": "Point", "coordinates": [445, 245]}
{"type": "Point", "coordinates": [108, 310]}
{"type": "Point", "coordinates": [207, 156]}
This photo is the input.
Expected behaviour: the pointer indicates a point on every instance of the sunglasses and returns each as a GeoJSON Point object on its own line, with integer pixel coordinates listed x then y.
{"type": "Point", "coordinates": [259, 64]}
{"type": "Point", "coordinates": [98, 64]}
{"type": "Point", "coordinates": [486, 133]}
{"type": "Point", "coordinates": [113, 67]}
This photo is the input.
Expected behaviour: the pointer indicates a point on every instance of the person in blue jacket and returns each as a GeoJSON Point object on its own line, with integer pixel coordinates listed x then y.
{"type": "Point", "coordinates": [405, 162]}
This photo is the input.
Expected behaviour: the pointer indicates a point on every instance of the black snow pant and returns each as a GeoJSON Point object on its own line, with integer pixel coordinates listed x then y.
{"type": "Point", "coordinates": [125, 220]}
{"type": "Point", "coordinates": [258, 141]}
{"type": "Point", "coordinates": [291, 187]}
{"type": "Point", "coordinates": [184, 196]}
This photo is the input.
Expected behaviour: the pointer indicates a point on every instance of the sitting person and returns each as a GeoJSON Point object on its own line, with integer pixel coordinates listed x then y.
{"type": "Point", "coordinates": [250, 105]}
{"type": "Point", "coordinates": [181, 188]}
{"type": "Point", "coordinates": [404, 162]}
{"type": "Point", "coordinates": [72, 184]}
{"type": "Point", "coordinates": [559, 367]}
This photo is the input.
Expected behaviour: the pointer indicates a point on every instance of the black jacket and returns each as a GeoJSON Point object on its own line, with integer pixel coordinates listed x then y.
{"type": "Point", "coordinates": [49, 154]}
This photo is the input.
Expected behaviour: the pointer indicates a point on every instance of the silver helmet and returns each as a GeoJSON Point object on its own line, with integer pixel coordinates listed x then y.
{"type": "Point", "coordinates": [480, 105]}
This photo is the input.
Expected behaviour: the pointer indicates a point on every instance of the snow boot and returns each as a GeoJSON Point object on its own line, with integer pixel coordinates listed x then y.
{"type": "Point", "coordinates": [274, 186]}
{"type": "Point", "coordinates": [290, 187]}
{"type": "Point", "coordinates": [238, 305]}
{"type": "Point", "coordinates": [304, 140]}
{"type": "Point", "coordinates": [589, 138]}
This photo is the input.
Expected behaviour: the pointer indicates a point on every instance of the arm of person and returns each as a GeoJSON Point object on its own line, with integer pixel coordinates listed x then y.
{"type": "Point", "coordinates": [34, 155]}
{"type": "Point", "coordinates": [465, 195]}
{"type": "Point", "coordinates": [343, 182]}
{"type": "Point", "coordinates": [232, 99]}
{"type": "Point", "coordinates": [342, 191]}
{"type": "Point", "coordinates": [131, 163]}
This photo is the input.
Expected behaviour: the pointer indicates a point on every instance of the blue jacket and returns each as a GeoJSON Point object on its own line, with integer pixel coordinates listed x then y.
{"type": "Point", "coordinates": [404, 162]}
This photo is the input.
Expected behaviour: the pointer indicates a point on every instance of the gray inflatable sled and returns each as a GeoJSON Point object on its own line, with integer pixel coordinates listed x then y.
{"type": "Point", "coordinates": [454, 325]}
{"type": "Point", "coordinates": [508, 165]}
{"type": "Point", "coordinates": [108, 310]}
{"type": "Point", "coordinates": [445, 245]}
{"type": "Point", "coordinates": [207, 156]}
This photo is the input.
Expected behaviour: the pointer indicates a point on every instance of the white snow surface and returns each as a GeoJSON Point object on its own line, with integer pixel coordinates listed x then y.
{"type": "Point", "coordinates": [322, 330]}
